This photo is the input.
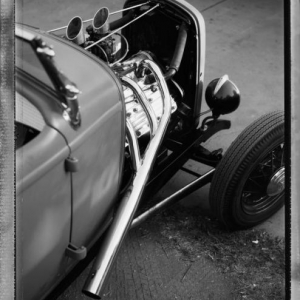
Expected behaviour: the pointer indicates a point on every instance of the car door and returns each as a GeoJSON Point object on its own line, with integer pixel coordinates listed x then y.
{"type": "Point", "coordinates": [43, 187]}
{"type": "Point", "coordinates": [96, 145]}
{"type": "Point", "coordinates": [70, 172]}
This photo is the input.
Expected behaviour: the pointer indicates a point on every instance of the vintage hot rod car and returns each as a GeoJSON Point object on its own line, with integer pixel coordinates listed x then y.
{"type": "Point", "coordinates": [106, 113]}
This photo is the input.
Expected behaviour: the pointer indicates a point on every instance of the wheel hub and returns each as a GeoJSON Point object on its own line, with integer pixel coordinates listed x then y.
{"type": "Point", "coordinates": [277, 183]}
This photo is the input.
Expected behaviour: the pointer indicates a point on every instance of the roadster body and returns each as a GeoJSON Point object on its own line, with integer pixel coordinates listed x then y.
{"type": "Point", "coordinates": [106, 113]}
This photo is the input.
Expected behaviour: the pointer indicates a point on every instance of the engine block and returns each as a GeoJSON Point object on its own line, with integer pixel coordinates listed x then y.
{"type": "Point", "coordinates": [149, 91]}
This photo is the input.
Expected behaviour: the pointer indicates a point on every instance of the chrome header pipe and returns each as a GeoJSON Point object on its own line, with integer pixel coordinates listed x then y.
{"type": "Point", "coordinates": [133, 146]}
{"type": "Point", "coordinates": [128, 205]}
{"type": "Point", "coordinates": [130, 83]}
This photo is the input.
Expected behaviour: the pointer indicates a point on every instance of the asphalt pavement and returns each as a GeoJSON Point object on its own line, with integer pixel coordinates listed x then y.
{"type": "Point", "coordinates": [244, 39]}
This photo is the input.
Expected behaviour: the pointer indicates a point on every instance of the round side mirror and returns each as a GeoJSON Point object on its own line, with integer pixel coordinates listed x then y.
{"type": "Point", "coordinates": [222, 96]}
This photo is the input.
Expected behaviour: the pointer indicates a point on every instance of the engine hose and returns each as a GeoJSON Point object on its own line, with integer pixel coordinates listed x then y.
{"type": "Point", "coordinates": [122, 21]}
{"type": "Point", "coordinates": [178, 53]}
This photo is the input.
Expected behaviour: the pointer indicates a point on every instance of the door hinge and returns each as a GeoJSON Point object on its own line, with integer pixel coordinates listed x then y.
{"type": "Point", "coordinates": [75, 252]}
{"type": "Point", "coordinates": [71, 164]}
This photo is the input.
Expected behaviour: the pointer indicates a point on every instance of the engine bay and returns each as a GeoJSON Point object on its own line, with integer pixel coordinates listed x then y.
{"type": "Point", "coordinates": [148, 34]}
{"type": "Point", "coordinates": [123, 44]}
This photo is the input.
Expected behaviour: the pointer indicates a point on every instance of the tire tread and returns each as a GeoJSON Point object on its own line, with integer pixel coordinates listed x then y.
{"type": "Point", "coordinates": [235, 160]}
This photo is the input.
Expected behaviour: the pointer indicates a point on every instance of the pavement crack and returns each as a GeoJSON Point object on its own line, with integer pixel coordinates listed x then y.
{"type": "Point", "coordinates": [213, 5]}
{"type": "Point", "coordinates": [164, 250]}
{"type": "Point", "coordinates": [184, 275]}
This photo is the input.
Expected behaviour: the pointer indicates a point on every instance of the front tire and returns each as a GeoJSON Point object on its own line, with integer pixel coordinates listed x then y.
{"type": "Point", "coordinates": [248, 185]}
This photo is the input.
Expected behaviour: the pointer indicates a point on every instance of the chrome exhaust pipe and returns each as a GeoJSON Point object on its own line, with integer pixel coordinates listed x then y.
{"type": "Point", "coordinates": [126, 210]}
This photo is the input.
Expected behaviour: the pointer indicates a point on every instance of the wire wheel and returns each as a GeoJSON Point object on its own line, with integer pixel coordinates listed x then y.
{"type": "Point", "coordinates": [261, 190]}
{"type": "Point", "coordinates": [248, 185]}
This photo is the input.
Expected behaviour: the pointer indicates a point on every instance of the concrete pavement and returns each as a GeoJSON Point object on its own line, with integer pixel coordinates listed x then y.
{"type": "Point", "coordinates": [244, 40]}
